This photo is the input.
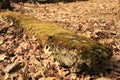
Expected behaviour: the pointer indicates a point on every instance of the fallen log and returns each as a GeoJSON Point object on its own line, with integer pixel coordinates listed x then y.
{"type": "Point", "coordinates": [72, 51]}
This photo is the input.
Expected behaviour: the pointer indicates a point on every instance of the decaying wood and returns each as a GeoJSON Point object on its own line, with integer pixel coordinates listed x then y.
{"type": "Point", "coordinates": [77, 53]}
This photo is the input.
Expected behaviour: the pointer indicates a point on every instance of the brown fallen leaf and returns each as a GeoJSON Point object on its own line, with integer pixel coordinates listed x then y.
{"type": "Point", "coordinates": [34, 60]}
{"type": "Point", "coordinates": [48, 78]}
{"type": "Point", "coordinates": [6, 76]}
{"type": "Point", "coordinates": [1, 39]}
{"type": "Point", "coordinates": [20, 77]}
{"type": "Point", "coordinates": [103, 78]}
{"type": "Point", "coordinates": [2, 57]}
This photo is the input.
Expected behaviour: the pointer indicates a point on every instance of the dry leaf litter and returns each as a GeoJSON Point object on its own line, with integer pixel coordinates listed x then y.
{"type": "Point", "coordinates": [23, 59]}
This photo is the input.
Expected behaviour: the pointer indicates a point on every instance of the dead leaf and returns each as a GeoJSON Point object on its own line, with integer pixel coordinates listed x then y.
{"type": "Point", "coordinates": [6, 76]}
{"type": "Point", "coordinates": [34, 60]}
{"type": "Point", "coordinates": [103, 78]}
{"type": "Point", "coordinates": [48, 78]}
{"type": "Point", "coordinates": [2, 57]}
{"type": "Point", "coordinates": [1, 39]}
{"type": "Point", "coordinates": [20, 77]}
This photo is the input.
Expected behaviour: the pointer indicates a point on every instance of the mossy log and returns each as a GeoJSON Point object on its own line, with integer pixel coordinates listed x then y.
{"type": "Point", "coordinates": [75, 52]}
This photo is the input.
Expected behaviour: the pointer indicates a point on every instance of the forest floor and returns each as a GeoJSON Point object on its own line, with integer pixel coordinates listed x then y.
{"type": "Point", "coordinates": [23, 59]}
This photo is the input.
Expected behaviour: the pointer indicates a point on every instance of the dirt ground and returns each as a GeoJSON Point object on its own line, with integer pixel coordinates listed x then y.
{"type": "Point", "coordinates": [23, 59]}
